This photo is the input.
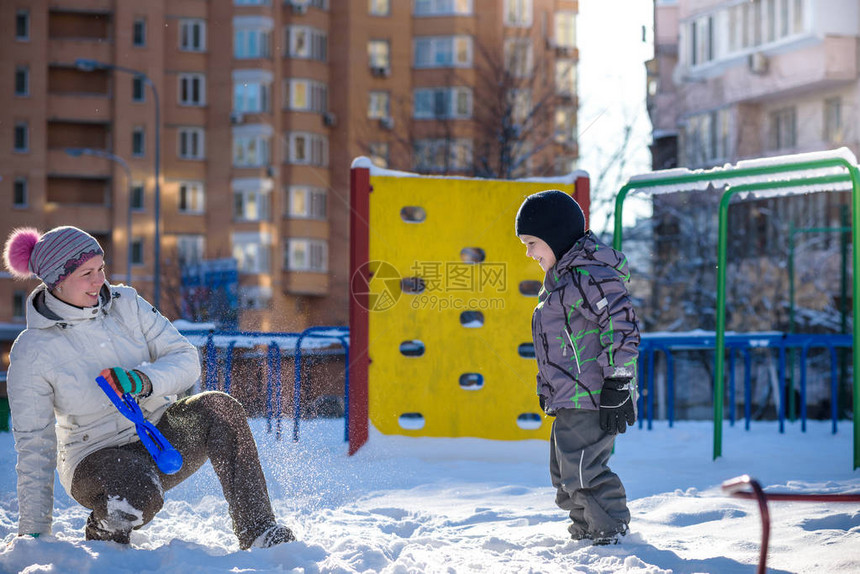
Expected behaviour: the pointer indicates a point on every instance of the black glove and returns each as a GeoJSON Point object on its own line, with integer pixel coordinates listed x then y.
{"type": "Point", "coordinates": [549, 412]}
{"type": "Point", "coordinates": [616, 406]}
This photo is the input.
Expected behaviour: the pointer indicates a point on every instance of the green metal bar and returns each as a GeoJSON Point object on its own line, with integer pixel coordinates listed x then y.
{"type": "Point", "coordinates": [717, 173]}
{"type": "Point", "coordinates": [734, 172]}
{"type": "Point", "coordinates": [721, 289]}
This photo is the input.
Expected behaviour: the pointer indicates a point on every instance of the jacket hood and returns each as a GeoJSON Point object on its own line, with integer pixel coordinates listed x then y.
{"type": "Point", "coordinates": [40, 316]}
{"type": "Point", "coordinates": [587, 251]}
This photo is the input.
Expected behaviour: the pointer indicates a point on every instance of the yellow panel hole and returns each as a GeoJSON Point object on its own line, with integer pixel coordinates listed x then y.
{"type": "Point", "coordinates": [413, 214]}
{"type": "Point", "coordinates": [411, 421]}
{"type": "Point", "coordinates": [526, 350]}
{"type": "Point", "coordinates": [413, 348]}
{"type": "Point", "coordinates": [472, 319]}
{"type": "Point", "coordinates": [471, 381]}
{"type": "Point", "coordinates": [412, 285]}
{"type": "Point", "coordinates": [472, 255]}
{"type": "Point", "coordinates": [529, 421]}
{"type": "Point", "coordinates": [530, 288]}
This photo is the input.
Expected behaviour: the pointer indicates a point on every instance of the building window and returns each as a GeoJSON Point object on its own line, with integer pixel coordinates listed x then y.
{"type": "Point", "coordinates": [21, 139]}
{"type": "Point", "coordinates": [379, 56]}
{"type": "Point", "coordinates": [378, 105]}
{"type": "Point", "coordinates": [22, 25]}
{"type": "Point", "coordinates": [255, 297]}
{"type": "Point", "coordinates": [518, 13]}
{"type": "Point", "coordinates": [442, 103]}
{"type": "Point", "coordinates": [442, 155]}
{"type": "Point", "coordinates": [251, 251]}
{"type": "Point", "coordinates": [19, 192]}
{"type": "Point", "coordinates": [306, 43]}
{"type": "Point", "coordinates": [565, 78]}
{"type": "Point", "coordinates": [519, 57]}
{"type": "Point", "coordinates": [306, 96]}
{"type": "Point", "coordinates": [252, 91]}
{"type": "Point", "coordinates": [252, 37]}
{"type": "Point", "coordinates": [565, 125]}
{"type": "Point", "coordinates": [251, 2]}
{"type": "Point", "coordinates": [137, 251]}
{"type": "Point", "coordinates": [22, 80]}
{"type": "Point", "coordinates": [192, 89]}
{"type": "Point", "coordinates": [443, 51]}
{"type": "Point", "coordinates": [306, 255]}
{"type": "Point", "coordinates": [782, 128]}
{"type": "Point", "coordinates": [190, 249]}
{"type": "Point", "coordinates": [707, 138]}
{"type": "Point", "coordinates": [192, 35]}
{"type": "Point", "coordinates": [191, 197]}
{"type": "Point", "coordinates": [138, 195]}
{"type": "Point", "coordinates": [565, 30]}
{"type": "Point", "coordinates": [251, 150]}
{"type": "Point", "coordinates": [443, 7]}
{"type": "Point", "coordinates": [378, 153]}
{"type": "Point", "coordinates": [307, 149]}
{"type": "Point", "coordinates": [191, 144]}
{"type": "Point", "coordinates": [19, 304]}
{"type": "Point", "coordinates": [138, 141]}
{"type": "Point", "coordinates": [251, 199]}
{"type": "Point", "coordinates": [834, 130]}
{"type": "Point", "coordinates": [304, 202]}
{"type": "Point", "coordinates": [138, 90]}
{"type": "Point", "coordinates": [138, 34]}
{"type": "Point", "coordinates": [379, 7]}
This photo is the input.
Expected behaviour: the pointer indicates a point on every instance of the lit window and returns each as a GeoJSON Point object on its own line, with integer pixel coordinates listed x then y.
{"type": "Point", "coordinates": [306, 202]}
{"type": "Point", "coordinates": [192, 197]}
{"type": "Point", "coordinates": [251, 199]}
{"type": "Point", "coordinates": [306, 42]}
{"type": "Point", "coordinates": [565, 78]}
{"type": "Point", "coordinates": [378, 105]}
{"type": "Point", "coordinates": [834, 130]}
{"type": "Point", "coordinates": [251, 251]}
{"type": "Point", "coordinates": [379, 154]}
{"type": "Point", "coordinates": [518, 13]}
{"type": "Point", "coordinates": [306, 255]}
{"type": "Point", "coordinates": [306, 95]}
{"type": "Point", "coordinates": [565, 125]}
{"type": "Point", "coordinates": [379, 54]}
{"type": "Point", "coordinates": [565, 29]}
{"type": "Point", "coordinates": [379, 7]}
{"type": "Point", "coordinates": [252, 91]}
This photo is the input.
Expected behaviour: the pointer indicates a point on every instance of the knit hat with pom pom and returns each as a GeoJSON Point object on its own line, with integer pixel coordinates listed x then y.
{"type": "Point", "coordinates": [51, 257]}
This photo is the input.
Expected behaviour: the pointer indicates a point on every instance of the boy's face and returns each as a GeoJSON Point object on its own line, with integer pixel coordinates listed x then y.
{"type": "Point", "coordinates": [537, 249]}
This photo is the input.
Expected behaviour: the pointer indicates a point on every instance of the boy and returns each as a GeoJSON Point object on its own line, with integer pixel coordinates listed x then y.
{"type": "Point", "coordinates": [586, 341]}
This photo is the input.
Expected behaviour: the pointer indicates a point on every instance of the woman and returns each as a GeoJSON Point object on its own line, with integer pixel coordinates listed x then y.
{"type": "Point", "coordinates": [78, 327]}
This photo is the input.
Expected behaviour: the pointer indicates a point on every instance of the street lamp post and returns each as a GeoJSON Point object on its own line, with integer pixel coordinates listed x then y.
{"type": "Point", "coordinates": [88, 65]}
{"type": "Point", "coordinates": [78, 152]}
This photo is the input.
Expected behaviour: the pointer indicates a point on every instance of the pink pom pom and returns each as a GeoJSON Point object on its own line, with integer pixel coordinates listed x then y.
{"type": "Point", "coordinates": [18, 249]}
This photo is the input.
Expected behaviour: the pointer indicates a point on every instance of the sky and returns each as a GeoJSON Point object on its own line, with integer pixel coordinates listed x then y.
{"type": "Point", "coordinates": [404, 505]}
{"type": "Point", "coordinates": [612, 86]}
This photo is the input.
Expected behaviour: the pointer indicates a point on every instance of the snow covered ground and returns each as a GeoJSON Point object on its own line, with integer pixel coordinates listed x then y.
{"type": "Point", "coordinates": [405, 505]}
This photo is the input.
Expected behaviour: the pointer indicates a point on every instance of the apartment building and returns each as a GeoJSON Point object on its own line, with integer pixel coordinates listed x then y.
{"type": "Point", "coordinates": [736, 79]}
{"type": "Point", "coordinates": [208, 143]}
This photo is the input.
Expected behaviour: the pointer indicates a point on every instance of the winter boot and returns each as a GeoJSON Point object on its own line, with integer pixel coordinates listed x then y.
{"type": "Point", "coordinates": [94, 531]}
{"type": "Point", "coordinates": [272, 536]}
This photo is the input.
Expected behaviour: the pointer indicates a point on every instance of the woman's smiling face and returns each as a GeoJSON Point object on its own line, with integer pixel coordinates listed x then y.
{"type": "Point", "coordinates": [537, 249]}
{"type": "Point", "coordinates": [82, 287]}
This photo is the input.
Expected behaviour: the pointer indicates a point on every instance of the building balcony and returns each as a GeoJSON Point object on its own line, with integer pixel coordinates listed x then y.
{"type": "Point", "coordinates": [101, 6]}
{"type": "Point", "coordinates": [64, 51]}
{"type": "Point", "coordinates": [305, 283]}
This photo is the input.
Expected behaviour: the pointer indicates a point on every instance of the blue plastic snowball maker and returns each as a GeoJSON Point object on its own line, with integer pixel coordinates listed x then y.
{"type": "Point", "coordinates": [167, 458]}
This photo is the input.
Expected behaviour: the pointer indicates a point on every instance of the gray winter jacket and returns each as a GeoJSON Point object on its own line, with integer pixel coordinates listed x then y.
{"type": "Point", "coordinates": [584, 326]}
{"type": "Point", "coordinates": [59, 413]}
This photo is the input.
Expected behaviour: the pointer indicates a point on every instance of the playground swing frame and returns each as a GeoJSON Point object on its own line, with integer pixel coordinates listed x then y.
{"type": "Point", "coordinates": [777, 174]}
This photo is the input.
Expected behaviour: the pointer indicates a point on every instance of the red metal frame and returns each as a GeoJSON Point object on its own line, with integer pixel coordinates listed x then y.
{"type": "Point", "coordinates": [359, 252]}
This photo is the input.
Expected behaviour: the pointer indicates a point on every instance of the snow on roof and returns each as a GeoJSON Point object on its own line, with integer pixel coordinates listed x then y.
{"type": "Point", "coordinates": [365, 162]}
{"type": "Point", "coordinates": [317, 340]}
{"type": "Point", "coordinates": [727, 175]}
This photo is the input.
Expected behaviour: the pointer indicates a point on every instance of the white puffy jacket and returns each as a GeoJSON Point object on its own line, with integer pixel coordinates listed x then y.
{"type": "Point", "coordinates": [59, 413]}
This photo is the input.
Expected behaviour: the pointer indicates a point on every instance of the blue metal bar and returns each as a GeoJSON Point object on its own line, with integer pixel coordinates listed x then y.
{"type": "Point", "coordinates": [651, 392]}
{"type": "Point", "coordinates": [270, 383]}
{"type": "Point", "coordinates": [670, 383]}
{"type": "Point", "coordinates": [747, 387]}
{"type": "Point", "coordinates": [275, 366]}
{"type": "Point", "coordinates": [731, 387]}
{"type": "Point", "coordinates": [834, 387]}
{"type": "Point", "coordinates": [211, 381]}
{"type": "Point", "coordinates": [781, 384]}
{"type": "Point", "coordinates": [803, 352]}
{"type": "Point", "coordinates": [228, 368]}
{"type": "Point", "coordinates": [640, 400]}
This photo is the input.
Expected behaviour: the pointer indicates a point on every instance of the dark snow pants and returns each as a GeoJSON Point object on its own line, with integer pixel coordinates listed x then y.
{"type": "Point", "coordinates": [124, 488]}
{"type": "Point", "coordinates": [586, 487]}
